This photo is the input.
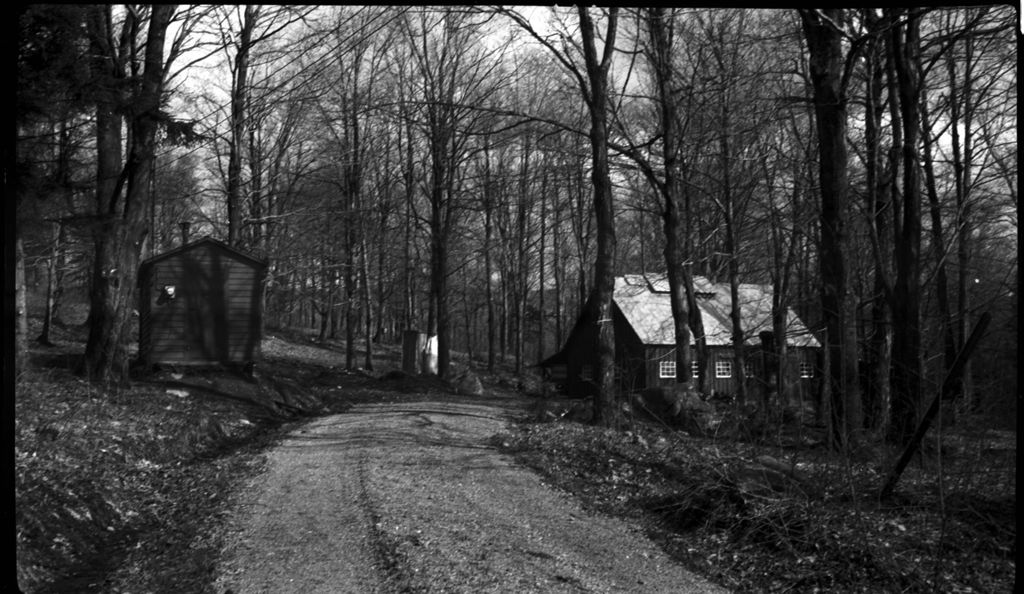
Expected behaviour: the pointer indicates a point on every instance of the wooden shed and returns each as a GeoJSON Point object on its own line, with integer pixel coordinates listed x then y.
{"type": "Point", "coordinates": [645, 341]}
{"type": "Point", "coordinates": [200, 304]}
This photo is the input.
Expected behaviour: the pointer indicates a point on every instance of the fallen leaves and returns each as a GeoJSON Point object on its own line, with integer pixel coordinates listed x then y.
{"type": "Point", "coordinates": [101, 470]}
{"type": "Point", "coordinates": [726, 510]}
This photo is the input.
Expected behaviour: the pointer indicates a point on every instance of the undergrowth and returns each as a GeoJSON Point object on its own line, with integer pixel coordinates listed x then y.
{"type": "Point", "coordinates": [715, 509]}
{"type": "Point", "coordinates": [120, 486]}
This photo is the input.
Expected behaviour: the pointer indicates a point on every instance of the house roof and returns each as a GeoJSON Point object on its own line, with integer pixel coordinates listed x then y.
{"type": "Point", "coordinates": [644, 302]}
{"type": "Point", "coordinates": [207, 240]}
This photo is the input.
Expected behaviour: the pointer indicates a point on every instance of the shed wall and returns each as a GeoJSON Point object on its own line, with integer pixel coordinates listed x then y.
{"type": "Point", "coordinates": [215, 315]}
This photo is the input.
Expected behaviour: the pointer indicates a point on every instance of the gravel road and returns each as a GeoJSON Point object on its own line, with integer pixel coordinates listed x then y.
{"type": "Point", "coordinates": [412, 497]}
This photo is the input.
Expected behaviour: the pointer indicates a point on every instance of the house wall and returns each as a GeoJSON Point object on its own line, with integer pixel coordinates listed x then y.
{"type": "Point", "coordinates": [215, 315]}
{"type": "Point", "coordinates": [798, 389]}
{"type": "Point", "coordinates": [580, 360]}
{"type": "Point", "coordinates": [581, 357]}
{"type": "Point", "coordinates": [638, 365]}
{"type": "Point", "coordinates": [630, 354]}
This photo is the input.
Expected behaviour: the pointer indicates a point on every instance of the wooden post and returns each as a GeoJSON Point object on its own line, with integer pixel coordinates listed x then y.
{"type": "Point", "coordinates": [413, 342]}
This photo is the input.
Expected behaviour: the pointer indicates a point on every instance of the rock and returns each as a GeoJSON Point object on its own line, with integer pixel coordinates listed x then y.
{"type": "Point", "coordinates": [530, 386]}
{"type": "Point", "coordinates": [677, 407]}
{"type": "Point", "coordinates": [469, 385]}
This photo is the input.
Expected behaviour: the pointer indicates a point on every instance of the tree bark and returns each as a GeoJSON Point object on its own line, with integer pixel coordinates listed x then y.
{"type": "Point", "coordinates": [961, 115]}
{"type": "Point", "coordinates": [661, 33]}
{"type": "Point", "coordinates": [599, 302]}
{"type": "Point", "coordinates": [906, 306]}
{"type": "Point", "coordinates": [239, 107]}
{"type": "Point", "coordinates": [879, 339]}
{"type": "Point", "coordinates": [948, 331]}
{"type": "Point", "coordinates": [542, 285]}
{"type": "Point", "coordinates": [824, 43]}
{"type": "Point", "coordinates": [54, 265]}
{"type": "Point", "coordinates": [488, 202]}
{"type": "Point", "coordinates": [120, 237]}
{"type": "Point", "coordinates": [20, 309]}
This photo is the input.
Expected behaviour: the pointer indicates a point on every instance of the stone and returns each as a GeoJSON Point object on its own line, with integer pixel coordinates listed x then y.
{"type": "Point", "coordinates": [469, 385]}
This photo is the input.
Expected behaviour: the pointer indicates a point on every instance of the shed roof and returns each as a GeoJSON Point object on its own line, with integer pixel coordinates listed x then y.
{"type": "Point", "coordinates": [207, 240]}
{"type": "Point", "coordinates": [644, 301]}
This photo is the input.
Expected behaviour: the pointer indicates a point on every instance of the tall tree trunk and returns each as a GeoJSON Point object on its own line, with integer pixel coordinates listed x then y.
{"type": "Point", "coordinates": [103, 345]}
{"type": "Point", "coordinates": [729, 218]}
{"type": "Point", "coordinates": [409, 173]}
{"type": "Point", "coordinates": [961, 115]}
{"type": "Point", "coordinates": [696, 319]}
{"type": "Point", "coordinates": [906, 306]}
{"type": "Point", "coordinates": [541, 315]}
{"type": "Point", "coordinates": [599, 302]}
{"type": "Point", "coordinates": [520, 268]}
{"type": "Point", "coordinates": [381, 300]}
{"type": "Point", "coordinates": [661, 31]}
{"type": "Point", "coordinates": [364, 273]}
{"type": "Point", "coordinates": [783, 252]}
{"type": "Point", "coordinates": [438, 262]}
{"type": "Point", "coordinates": [949, 339]}
{"type": "Point", "coordinates": [824, 43]}
{"type": "Point", "coordinates": [876, 397]}
{"type": "Point", "coordinates": [239, 107]}
{"type": "Point", "coordinates": [120, 236]}
{"type": "Point", "coordinates": [558, 271]}
{"type": "Point", "coordinates": [488, 265]}
{"type": "Point", "coordinates": [20, 308]}
{"type": "Point", "coordinates": [54, 265]}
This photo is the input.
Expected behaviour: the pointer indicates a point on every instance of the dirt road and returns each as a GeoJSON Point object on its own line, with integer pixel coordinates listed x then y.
{"type": "Point", "coordinates": [412, 497]}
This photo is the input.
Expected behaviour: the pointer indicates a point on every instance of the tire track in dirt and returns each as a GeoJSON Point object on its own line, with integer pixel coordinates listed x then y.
{"type": "Point", "coordinates": [392, 564]}
{"type": "Point", "coordinates": [410, 497]}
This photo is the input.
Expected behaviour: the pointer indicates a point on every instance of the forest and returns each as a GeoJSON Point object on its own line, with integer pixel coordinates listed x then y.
{"type": "Point", "coordinates": [482, 174]}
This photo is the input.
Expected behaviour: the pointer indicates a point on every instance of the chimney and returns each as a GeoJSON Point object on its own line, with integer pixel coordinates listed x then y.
{"type": "Point", "coordinates": [184, 231]}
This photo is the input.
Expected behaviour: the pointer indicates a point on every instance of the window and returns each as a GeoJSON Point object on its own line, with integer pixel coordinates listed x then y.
{"type": "Point", "coordinates": [667, 369]}
{"type": "Point", "coordinates": [806, 369]}
{"type": "Point", "coordinates": [748, 368]}
{"type": "Point", "coordinates": [723, 369]}
{"type": "Point", "coordinates": [695, 369]}
{"type": "Point", "coordinates": [587, 373]}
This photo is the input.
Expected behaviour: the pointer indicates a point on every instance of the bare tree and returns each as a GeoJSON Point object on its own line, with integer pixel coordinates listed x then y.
{"type": "Point", "coordinates": [457, 74]}
{"type": "Point", "coordinates": [121, 192]}
{"type": "Point", "coordinates": [906, 303]}
{"type": "Point", "coordinates": [256, 25]}
{"type": "Point", "coordinates": [593, 81]}
{"type": "Point", "coordinates": [829, 69]}
{"type": "Point", "coordinates": [661, 30]}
